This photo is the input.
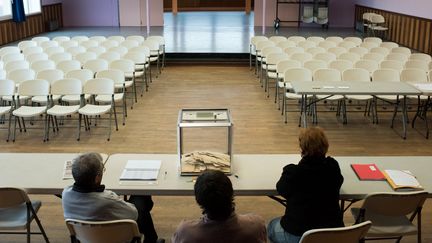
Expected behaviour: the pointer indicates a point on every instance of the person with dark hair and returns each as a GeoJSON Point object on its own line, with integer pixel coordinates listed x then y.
{"type": "Point", "coordinates": [311, 190]}
{"type": "Point", "coordinates": [87, 198]}
{"type": "Point", "coordinates": [219, 223]}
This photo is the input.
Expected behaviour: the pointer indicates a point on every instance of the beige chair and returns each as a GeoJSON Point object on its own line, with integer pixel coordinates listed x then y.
{"type": "Point", "coordinates": [301, 57]}
{"type": "Point", "coordinates": [374, 57]}
{"type": "Point", "coordinates": [306, 44]}
{"type": "Point", "coordinates": [7, 88]}
{"type": "Point", "coordinates": [330, 75]}
{"type": "Point", "coordinates": [403, 50]}
{"type": "Point", "coordinates": [97, 38]}
{"type": "Point", "coordinates": [391, 214]}
{"type": "Point", "coordinates": [89, 43]}
{"type": "Point", "coordinates": [9, 49]}
{"type": "Point", "coordinates": [62, 87]}
{"type": "Point", "coordinates": [277, 38]}
{"type": "Point", "coordinates": [35, 87]}
{"type": "Point", "coordinates": [26, 43]}
{"type": "Point", "coordinates": [327, 44]}
{"type": "Point", "coordinates": [294, 74]}
{"type": "Point", "coordinates": [297, 39]}
{"type": "Point", "coordinates": [40, 39]}
{"type": "Point", "coordinates": [349, 56]}
{"type": "Point", "coordinates": [292, 50]}
{"type": "Point", "coordinates": [361, 51]}
{"type": "Point", "coordinates": [283, 45]}
{"type": "Point", "coordinates": [154, 54]}
{"type": "Point", "coordinates": [17, 212]}
{"type": "Point", "coordinates": [340, 65]}
{"type": "Point", "coordinates": [314, 65]}
{"type": "Point", "coordinates": [118, 77]}
{"type": "Point", "coordinates": [61, 39]}
{"type": "Point", "coordinates": [308, 14]}
{"type": "Point", "coordinates": [36, 57]}
{"type": "Point", "coordinates": [389, 45]}
{"type": "Point", "coordinates": [94, 87]}
{"type": "Point", "coordinates": [349, 234]}
{"type": "Point", "coordinates": [115, 231]}
{"type": "Point", "coordinates": [271, 69]}
{"type": "Point", "coordinates": [109, 44]}
{"type": "Point", "coordinates": [373, 39]}
{"type": "Point", "coordinates": [369, 45]}
{"type": "Point", "coordinates": [110, 56]}
{"type": "Point", "coordinates": [129, 44]}
{"type": "Point", "coordinates": [397, 57]}
{"type": "Point", "coordinates": [98, 50]}
{"type": "Point", "coordinates": [381, 50]}
{"type": "Point", "coordinates": [392, 65]}
{"type": "Point", "coordinates": [252, 48]}
{"type": "Point", "coordinates": [68, 65]}
{"type": "Point", "coordinates": [358, 75]}
{"type": "Point", "coordinates": [32, 50]}
{"type": "Point", "coordinates": [75, 50]}
{"type": "Point", "coordinates": [117, 38]}
{"type": "Point", "coordinates": [356, 40]}
{"type": "Point", "coordinates": [336, 39]}
{"type": "Point", "coordinates": [83, 75]}
{"type": "Point", "coordinates": [53, 50]}
{"type": "Point", "coordinates": [281, 67]}
{"type": "Point", "coordinates": [316, 50]}
{"type": "Point", "coordinates": [68, 44]}
{"type": "Point", "coordinates": [140, 57]}
{"type": "Point", "coordinates": [421, 56]}
{"type": "Point", "coordinates": [59, 57]}
{"type": "Point", "coordinates": [42, 65]}
{"type": "Point", "coordinates": [347, 44]}
{"type": "Point", "coordinates": [326, 57]}
{"type": "Point", "coordinates": [369, 65]}
{"type": "Point", "coordinates": [423, 65]}
{"type": "Point", "coordinates": [316, 39]}
{"type": "Point", "coordinates": [337, 50]}
{"type": "Point", "coordinates": [161, 41]}
{"type": "Point", "coordinates": [378, 27]}
{"type": "Point", "coordinates": [80, 38]}
{"type": "Point", "coordinates": [386, 75]}
{"type": "Point", "coordinates": [138, 38]}
{"type": "Point", "coordinates": [120, 50]}
{"type": "Point", "coordinates": [47, 44]}
{"type": "Point", "coordinates": [85, 57]}
{"type": "Point", "coordinates": [96, 65]}
{"type": "Point", "coordinates": [16, 65]}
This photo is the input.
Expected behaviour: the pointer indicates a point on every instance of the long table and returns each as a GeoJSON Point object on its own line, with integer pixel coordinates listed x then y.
{"type": "Point", "coordinates": [252, 174]}
{"type": "Point", "coordinates": [314, 88]}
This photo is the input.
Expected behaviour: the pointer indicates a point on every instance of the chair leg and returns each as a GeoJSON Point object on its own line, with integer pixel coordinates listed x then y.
{"type": "Point", "coordinates": [23, 122]}
{"type": "Point", "coordinates": [110, 123]}
{"type": "Point", "coordinates": [36, 218]}
{"type": "Point", "coordinates": [115, 114]}
{"type": "Point", "coordinates": [14, 131]}
{"type": "Point", "coordinates": [124, 110]}
{"type": "Point", "coordinates": [79, 127]}
{"type": "Point", "coordinates": [9, 127]}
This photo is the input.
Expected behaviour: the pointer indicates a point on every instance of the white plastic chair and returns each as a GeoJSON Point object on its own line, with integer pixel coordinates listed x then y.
{"type": "Point", "coordinates": [9, 49]}
{"type": "Point", "coordinates": [53, 50]}
{"type": "Point", "coordinates": [297, 39]}
{"type": "Point", "coordinates": [131, 44]}
{"type": "Point", "coordinates": [97, 50]}
{"type": "Point", "coordinates": [391, 214]}
{"type": "Point", "coordinates": [356, 40]}
{"type": "Point", "coordinates": [337, 50]}
{"type": "Point", "coordinates": [314, 65]}
{"type": "Point", "coordinates": [140, 60]}
{"type": "Point", "coordinates": [138, 38]}
{"type": "Point", "coordinates": [421, 57]}
{"type": "Point", "coordinates": [306, 44]}
{"type": "Point", "coordinates": [392, 65]}
{"type": "Point", "coordinates": [403, 50]}
{"type": "Point", "coordinates": [389, 45]}
{"type": "Point", "coordinates": [284, 44]}
{"type": "Point", "coordinates": [326, 57]}
{"type": "Point", "coordinates": [316, 50]}
{"type": "Point", "coordinates": [308, 15]}
{"type": "Point", "coordinates": [349, 234]}
{"type": "Point", "coordinates": [340, 65]}
{"type": "Point", "coordinates": [417, 64]}
{"type": "Point", "coordinates": [374, 57]}
{"type": "Point", "coordinates": [96, 65]}
{"type": "Point", "coordinates": [39, 66]}
{"type": "Point", "coordinates": [397, 57]}
{"type": "Point", "coordinates": [63, 87]}
{"type": "Point", "coordinates": [51, 76]}
{"type": "Point", "coordinates": [25, 44]}
{"type": "Point", "coordinates": [7, 88]}
{"type": "Point", "coordinates": [347, 44]}
{"type": "Point", "coordinates": [322, 16]}
{"type": "Point", "coordinates": [154, 54]}
{"type": "Point", "coordinates": [15, 65]}
{"type": "Point", "coordinates": [40, 39]}
{"type": "Point", "coordinates": [17, 212]}
{"type": "Point", "coordinates": [34, 87]}
{"type": "Point", "coordinates": [85, 57]}
{"type": "Point", "coordinates": [117, 38]}
{"type": "Point", "coordinates": [75, 50]}
{"type": "Point", "coordinates": [381, 50]}
{"type": "Point", "coordinates": [32, 50]}
{"type": "Point", "coordinates": [88, 44]}
{"type": "Point", "coordinates": [80, 38]}
{"type": "Point", "coordinates": [332, 75]}
{"type": "Point", "coordinates": [161, 40]}
{"type": "Point", "coordinates": [109, 56]}
{"type": "Point", "coordinates": [11, 57]}
{"type": "Point", "coordinates": [120, 50]}
{"type": "Point", "coordinates": [252, 48]}
{"type": "Point", "coordinates": [316, 39]}
{"type": "Point", "coordinates": [387, 75]}
{"type": "Point", "coordinates": [59, 57]}
{"type": "Point", "coordinates": [358, 75]}
{"type": "Point", "coordinates": [292, 50]}
{"type": "Point", "coordinates": [116, 231]}
{"type": "Point", "coordinates": [271, 68]}
{"type": "Point", "coordinates": [277, 38]}
{"type": "Point", "coordinates": [110, 43]}
{"type": "Point", "coordinates": [369, 45]}
{"type": "Point", "coordinates": [327, 44]}
{"type": "Point", "coordinates": [68, 44]}
{"type": "Point", "coordinates": [47, 44]}
{"type": "Point", "coordinates": [336, 39]}
{"type": "Point", "coordinates": [83, 75]}
{"type": "Point", "coordinates": [97, 38]}
{"type": "Point", "coordinates": [119, 93]}
{"type": "Point", "coordinates": [281, 68]}
{"type": "Point", "coordinates": [294, 74]}
{"type": "Point", "coordinates": [349, 56]}
{"type": "Point", "coordinates": [61, 39]}
{"type": "Point", "coordinates": [361, 51]}
{"type": "Point", "coordinates": [68, 65]}
{"type": "Point", "coordinates": [128, 68]}
{"type": "Point", "coordinates": [94, 87]}
{"type": "Point", "coordinates": [301, 57]}
{"type": "Point", "coordinates": [36, 57]}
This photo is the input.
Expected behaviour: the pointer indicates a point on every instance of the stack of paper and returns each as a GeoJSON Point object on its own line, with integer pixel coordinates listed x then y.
{"type": "Point", "coordinates": [141, 170]}
{"type": "Point", "coordinates": [67, 170]}
{"type": "Point", "coordinates": [402, 179]}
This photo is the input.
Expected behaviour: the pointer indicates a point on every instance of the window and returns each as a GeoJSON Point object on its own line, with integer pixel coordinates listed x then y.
{"type": "Point", "coordinates": [32, 6]}
{"type": "Point", "coordinates": [5, 9]}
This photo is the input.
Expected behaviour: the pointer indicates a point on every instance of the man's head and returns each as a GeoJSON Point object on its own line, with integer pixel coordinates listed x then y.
{"type": "Point", "coordinates": [313, 142]}
{"type": "Point", "coordinates": [87, 170]}
{"type": "Point", "coordinates": [214, 193]}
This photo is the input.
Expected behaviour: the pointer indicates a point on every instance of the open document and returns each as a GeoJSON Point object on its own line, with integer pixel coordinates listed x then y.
{"type": "Point", "coordinates": [141, 170]}
{"type": "Point", "coordinates": [402, 180]}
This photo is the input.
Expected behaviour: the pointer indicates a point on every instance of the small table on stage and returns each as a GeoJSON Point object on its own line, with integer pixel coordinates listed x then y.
{"type": "Point", "coordinates": [306, 89]}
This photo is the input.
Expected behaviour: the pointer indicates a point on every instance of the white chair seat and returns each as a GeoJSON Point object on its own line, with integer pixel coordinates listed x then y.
{"type": "Point", "coordinates": [334, 97]}
{"type": "Point", "coordinates": [62, 110]}
{"type": "Point", "coordinates": [93, 110]}
{"type": "Point", "coordinates": [127, 84]}
{"type": "Point", "coordinates": [359, 97]}
{"type": "Point", "coordinates": [292, 96]}
{"type": "Point", "coordinates": [4, 109]}
{"type": "Point", "coordinates": [43, 99]}
{"type": "Point", "coordinates": [388, 97]}
{"type": "Point", "coordinates": [74, 98]}
{"type": "Point", "coordinates": [16, 218]}
{"type": "Point", "coordinates": [9, 97]}
{"type": "Point", "coordinates": [29, 111]}
{"type": "Point", "coordinates": [272, 75]}
{"type": "Point", "coordinates": [387, 226]}
{"type": "Point", "coordinates": [107, 98]}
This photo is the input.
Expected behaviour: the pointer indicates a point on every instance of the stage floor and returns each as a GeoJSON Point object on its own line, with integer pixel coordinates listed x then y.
{"type": "Point", "coordinates": [207, 32]}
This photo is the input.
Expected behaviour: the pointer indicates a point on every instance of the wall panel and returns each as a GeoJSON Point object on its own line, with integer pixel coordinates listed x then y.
{"type": "Point", "coordinates": [34, 25]}
{"type": "Point", "coordinates": [410, 31]}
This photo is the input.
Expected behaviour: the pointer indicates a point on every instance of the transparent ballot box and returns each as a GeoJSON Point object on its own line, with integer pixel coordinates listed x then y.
{"type": "Point", "coordinates": [204, 138]}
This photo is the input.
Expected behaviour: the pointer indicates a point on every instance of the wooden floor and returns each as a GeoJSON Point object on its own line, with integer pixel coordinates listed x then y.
{"type": "Point", "coordinates": [259, 128]}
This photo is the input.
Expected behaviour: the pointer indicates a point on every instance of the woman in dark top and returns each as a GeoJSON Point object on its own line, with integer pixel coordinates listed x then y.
{"type": "Point", "coordinates": [311, 190]}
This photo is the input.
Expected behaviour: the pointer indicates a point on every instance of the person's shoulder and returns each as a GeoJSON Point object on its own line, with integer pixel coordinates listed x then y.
{"type": "Point", "coordinates": [251, 218]}
{"type": "Point", "coordinates": [67, 190]}
{"type": "Point", "coordinates": [290, 167]}
{"type": "Point", "coordinates": [331, 161]}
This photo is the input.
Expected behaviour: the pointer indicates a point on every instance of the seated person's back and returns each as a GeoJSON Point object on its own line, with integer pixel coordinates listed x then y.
{"type": "Point", "coordinates": [219, 223]}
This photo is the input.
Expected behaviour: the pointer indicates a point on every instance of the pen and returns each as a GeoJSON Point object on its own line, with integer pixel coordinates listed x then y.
{"type": "Point", "coordinates": [165, 175]}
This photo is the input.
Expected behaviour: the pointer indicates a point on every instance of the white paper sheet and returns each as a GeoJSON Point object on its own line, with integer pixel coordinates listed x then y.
{"type": "Point", "coordinates": [141, 170]}
{"type": "Point", "coordinates": [403, 178]}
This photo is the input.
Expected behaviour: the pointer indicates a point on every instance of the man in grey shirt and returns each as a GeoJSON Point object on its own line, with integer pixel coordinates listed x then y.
{"type": "Point", "coordinates": [219, 223]}
{"type": "Point", "coordinates": [87, 198]}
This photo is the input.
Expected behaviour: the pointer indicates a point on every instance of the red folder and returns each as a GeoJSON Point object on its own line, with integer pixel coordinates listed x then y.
{"type": "Point", "coordinates": [368, 172]}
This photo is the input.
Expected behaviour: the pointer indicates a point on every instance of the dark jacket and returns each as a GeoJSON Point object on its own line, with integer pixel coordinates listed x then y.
{"type": "Point", "coordinates": [311, 189]}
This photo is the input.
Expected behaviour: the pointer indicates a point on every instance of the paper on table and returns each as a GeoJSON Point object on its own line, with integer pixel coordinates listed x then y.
{"type": "Point", "coordinates": [141, 170]}
{"type": "Point", "coordinates": [402, 179]}
{"type": "Point", "coordinates": [424, 86]}
{"type": "Point", "coordinates": [67, 170]}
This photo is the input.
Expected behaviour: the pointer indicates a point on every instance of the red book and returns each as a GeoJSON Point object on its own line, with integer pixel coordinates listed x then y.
{"type": "Point", "coordinates": [368, 172]}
